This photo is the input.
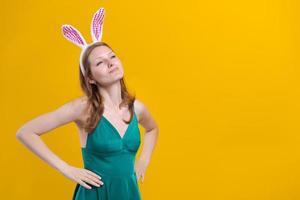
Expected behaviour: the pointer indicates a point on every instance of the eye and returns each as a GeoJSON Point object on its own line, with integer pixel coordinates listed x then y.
{"type": "Point", "coordinates": [113, 56]}
{"type": "Point", "coordinates": [99, 63]}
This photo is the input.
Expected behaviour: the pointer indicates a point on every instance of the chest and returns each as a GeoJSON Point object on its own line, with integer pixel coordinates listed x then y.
{"type": "Point", "coordinates": [106, 138]}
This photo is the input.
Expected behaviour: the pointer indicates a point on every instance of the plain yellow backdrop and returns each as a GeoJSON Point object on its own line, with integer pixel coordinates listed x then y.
{"type": "Point", "coordinates": [221, 78]}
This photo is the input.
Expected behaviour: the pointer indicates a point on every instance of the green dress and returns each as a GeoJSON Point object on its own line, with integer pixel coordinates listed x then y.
{"type": "Point", "coordinates": [112, 157]}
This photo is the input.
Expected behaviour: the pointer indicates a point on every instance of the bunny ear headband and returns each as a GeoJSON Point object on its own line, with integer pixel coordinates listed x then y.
{"type": "Point", "coordinates": [74, 36]}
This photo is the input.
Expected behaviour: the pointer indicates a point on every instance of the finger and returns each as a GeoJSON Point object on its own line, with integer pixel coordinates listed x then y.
{"type": "Point", "coordinates": [138, 176]}
{"type": "Point", "coordinates": [86, 179]}
{"type": "Point", "coordinates": [143, 176]}
{"type": "Point", "coordinates": [94, 179]}
{"type": "Point", "coordinates": [84, 184]}
{"type": "Point", "coordinates": [93, 174]}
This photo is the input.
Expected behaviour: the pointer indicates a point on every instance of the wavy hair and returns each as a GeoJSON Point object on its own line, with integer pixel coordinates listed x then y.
{"type": "Point", "coordinates": [95, 105]}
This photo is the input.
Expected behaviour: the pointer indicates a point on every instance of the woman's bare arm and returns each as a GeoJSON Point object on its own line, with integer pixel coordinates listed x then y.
{"type": "Point", "coordinates": [151, 130]}
{"type": "Point", "coordinates": [29, 134]}
{"type": "Point", "coordinates": [150, 137]}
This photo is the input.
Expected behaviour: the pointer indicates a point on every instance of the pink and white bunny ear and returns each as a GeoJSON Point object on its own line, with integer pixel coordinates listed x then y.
{"type": "Point", "coordinates": [97, 25]}
{"type": "Point", "coordinates": [73, 35]}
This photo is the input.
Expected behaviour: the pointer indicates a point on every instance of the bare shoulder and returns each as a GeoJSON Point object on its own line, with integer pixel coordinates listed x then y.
{"type": "Point", "coordinates": [144, 116]}
{"type": "Point", "coordinates": [139, 107]}
{"type": "Point", "coordinates": [79, 107]}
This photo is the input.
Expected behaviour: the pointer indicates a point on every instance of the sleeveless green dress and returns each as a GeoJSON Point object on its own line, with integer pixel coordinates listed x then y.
{"type": "Point", "coordinates": [112, 157]}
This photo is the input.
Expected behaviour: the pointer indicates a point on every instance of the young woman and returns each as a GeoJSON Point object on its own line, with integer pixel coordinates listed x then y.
{"type": "Point", "coordinates": [107, 117]}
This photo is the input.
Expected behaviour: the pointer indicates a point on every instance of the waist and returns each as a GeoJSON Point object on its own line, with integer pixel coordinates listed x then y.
{"type": "Point", "coordinates": [112, 164]}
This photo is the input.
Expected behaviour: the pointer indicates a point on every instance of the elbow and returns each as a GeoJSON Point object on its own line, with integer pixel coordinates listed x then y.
{"type": "Point", "coordinates": [20, 133]}
{"type": "Point", "coordinates": [156, 130]}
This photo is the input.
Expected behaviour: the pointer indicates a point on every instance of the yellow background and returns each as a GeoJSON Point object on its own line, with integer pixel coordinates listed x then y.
{"type": "Point", "coordinates": [221, 78]}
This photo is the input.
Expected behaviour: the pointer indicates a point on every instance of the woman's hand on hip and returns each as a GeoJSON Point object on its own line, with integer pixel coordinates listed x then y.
{"type": "Point", "coordinates": [82, 176]}
{"type": "Point", "coordinates": [140, 169]}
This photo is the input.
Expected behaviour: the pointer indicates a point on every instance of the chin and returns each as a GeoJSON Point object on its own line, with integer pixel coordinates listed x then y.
{"type": "Point", "coordinates": [119, 73]}
{"type": "Point", "coordinates": [117, 77]}
{"type": "Point", "coordinates": [120, 76]}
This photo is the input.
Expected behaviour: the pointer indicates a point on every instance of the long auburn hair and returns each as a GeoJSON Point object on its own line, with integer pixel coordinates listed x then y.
{"type": "Point", "coordinates": [95, 105]}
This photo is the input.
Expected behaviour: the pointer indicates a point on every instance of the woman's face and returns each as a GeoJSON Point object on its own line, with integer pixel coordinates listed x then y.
{"type": "Point", "coordinates": [106, 67]}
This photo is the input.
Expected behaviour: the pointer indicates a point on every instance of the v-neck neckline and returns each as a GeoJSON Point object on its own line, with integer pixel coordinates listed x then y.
{"type": "Point", "coordinates": [116, 130]}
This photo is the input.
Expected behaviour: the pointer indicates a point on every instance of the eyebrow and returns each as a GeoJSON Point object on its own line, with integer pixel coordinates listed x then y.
{"type": "Point", "coordinates": [102, 57]}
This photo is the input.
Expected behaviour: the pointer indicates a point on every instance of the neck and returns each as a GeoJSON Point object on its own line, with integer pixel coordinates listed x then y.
{"type": "Point", "coordinates": [111, 95]}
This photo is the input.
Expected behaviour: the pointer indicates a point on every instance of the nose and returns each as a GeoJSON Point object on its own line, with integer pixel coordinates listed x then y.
{"type": "Point", "coordinates": [110, 65]}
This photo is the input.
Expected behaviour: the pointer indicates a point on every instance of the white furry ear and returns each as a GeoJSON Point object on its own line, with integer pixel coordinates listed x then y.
{"type": "Point", "coordinates": [97, 25]}
{"type": "Point", "coordinates": [73, 35]}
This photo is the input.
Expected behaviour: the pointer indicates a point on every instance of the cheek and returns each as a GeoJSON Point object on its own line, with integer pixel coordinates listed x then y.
{"type": "Point", "coordinates": [118, 62]}
{"type": "Point", "coordinates": [101, 74]}
{"type": "Point", "coordinates": [98, 71]}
